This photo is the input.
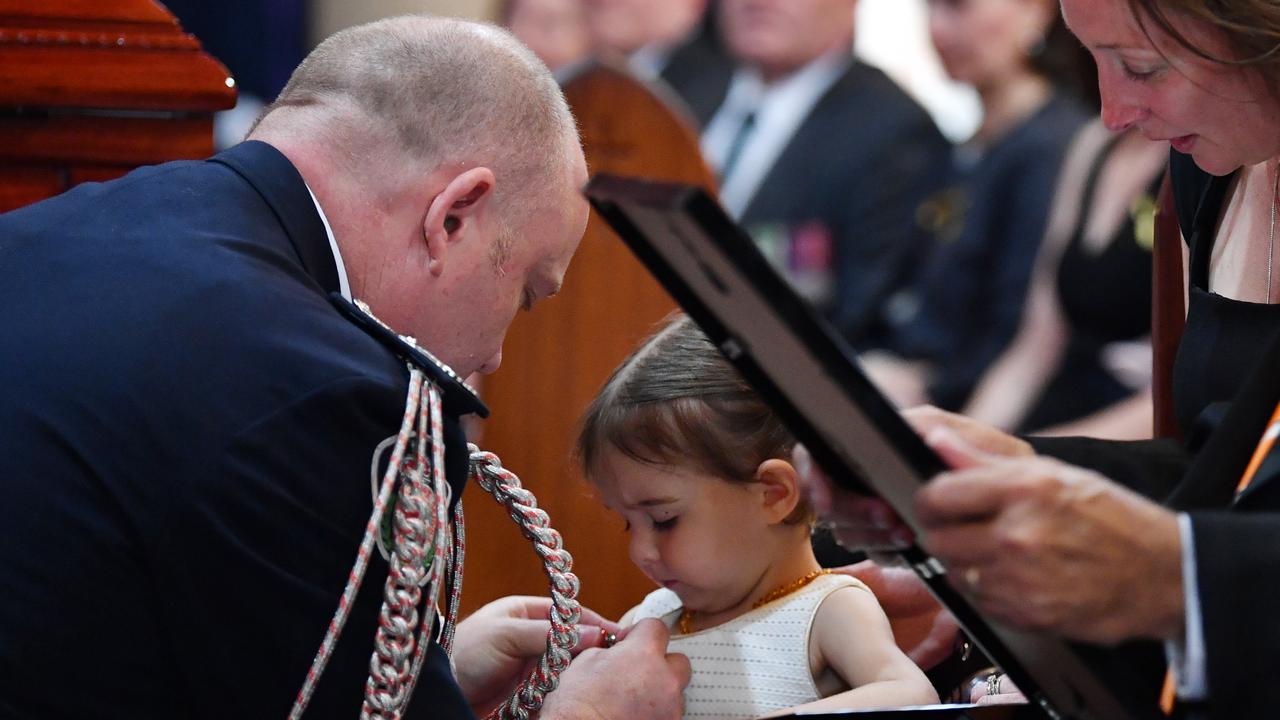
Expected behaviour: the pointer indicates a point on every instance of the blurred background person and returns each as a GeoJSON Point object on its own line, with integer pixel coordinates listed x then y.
{"type": "Point", "coordinates": [964, 305]}
{"type": "Point", "coordinates": [555, 30]}
{"type": "Point", "coordinates": [669, 40]}
{"type": "Point", "coordinates": [822, 158]}
{"type": "Point", "coordinates": [1081, 361]}
{"type": "Point", "coordinates": [259, 42]}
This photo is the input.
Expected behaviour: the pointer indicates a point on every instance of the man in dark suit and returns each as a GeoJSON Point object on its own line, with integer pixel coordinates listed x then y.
{"type": "Point", "coordinates": [669, 41]}
{"type": "Point", "coordinates": [823, 159]}
{"type": "Point", "coordinates": [189, 422]}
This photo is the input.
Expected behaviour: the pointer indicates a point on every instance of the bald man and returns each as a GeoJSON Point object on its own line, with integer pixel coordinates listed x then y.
{"type": "Point", "coordinates": [189, 422]}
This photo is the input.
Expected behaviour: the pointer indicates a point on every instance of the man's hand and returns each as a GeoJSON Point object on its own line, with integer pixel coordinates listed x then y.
{"type": "Point", "coordinates": [923, 629]}
{"type": "Point", "coordinates": [495, 648]}
{"type": "Point", "coordinates": [636, 678]}
{"type": "Point", "coordinates": [1045, 546]}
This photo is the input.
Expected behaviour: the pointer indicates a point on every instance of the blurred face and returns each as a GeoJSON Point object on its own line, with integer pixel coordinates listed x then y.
{"type": "Point", "coordinates": [981, 42]}
{"type": "Point", "coordinates": [688, 531]}
{"type": "Point", "coordinates": [624, 26]}
{"type": "Point", "coordinates": [1222, 116]}
{"type": "Point", "coordinates": [782, 36]}
{"type": "Point", "coordinates": [555, 30]}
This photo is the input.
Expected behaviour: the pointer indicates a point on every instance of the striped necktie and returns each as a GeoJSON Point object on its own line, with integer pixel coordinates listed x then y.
{"type": "Point", "coordinates": [1168, 695]}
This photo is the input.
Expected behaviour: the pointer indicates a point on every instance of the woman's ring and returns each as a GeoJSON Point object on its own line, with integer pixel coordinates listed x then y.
{"type": "Point", "coordinates": [993, 684]}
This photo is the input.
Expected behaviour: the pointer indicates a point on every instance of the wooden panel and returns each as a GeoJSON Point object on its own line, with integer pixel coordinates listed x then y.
{"type": "Point", "coordinates": [99, 139]}
{"type": "Point", "coordinates": [99, 77]}
{"type": "Point", "coordinates": [90, 89]}
{"type": "Point", "coordinates": [556, 358]}
{"type": "Point", "coordinates": [24, 185]}
{"type": "Point", "coordinates": [117, 54]}
{"type": "Point", "coordinates": [138, 11]}
{"type": "Point", "coordinates": [1168, 311]}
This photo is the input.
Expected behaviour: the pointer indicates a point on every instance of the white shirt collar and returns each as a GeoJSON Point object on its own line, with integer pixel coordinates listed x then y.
{"type": "Point", "coordinates": [344, 286]}
{"type": "Point", "coordinates": [649, 61]}
{"type": "Point", "coordinates": [780, 109]}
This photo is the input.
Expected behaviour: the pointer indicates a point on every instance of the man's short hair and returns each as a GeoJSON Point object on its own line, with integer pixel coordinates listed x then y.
{"type": "Point", "coordinates": [438, 91]}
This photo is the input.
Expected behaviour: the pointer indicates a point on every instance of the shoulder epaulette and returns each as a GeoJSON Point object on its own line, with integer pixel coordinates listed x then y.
{"type": "Point", "coordinates": [459, 397]}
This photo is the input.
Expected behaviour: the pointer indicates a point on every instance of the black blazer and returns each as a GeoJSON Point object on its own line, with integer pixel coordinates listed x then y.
{"type": "Point", "coordinates": [1237, 539]}
{"type": "Point", "coordinates": [188, 426]}
{"type": "Point", "coordinates": [859, 166]}
{"type": "Point", "coordinates": [699, 70]}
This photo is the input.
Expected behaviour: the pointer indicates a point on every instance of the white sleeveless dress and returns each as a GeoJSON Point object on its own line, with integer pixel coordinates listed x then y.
{"type": "Point", "coordinates": [757, 662]}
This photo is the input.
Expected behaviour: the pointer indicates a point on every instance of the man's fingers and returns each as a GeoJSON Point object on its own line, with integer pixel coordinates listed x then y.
{"type": "Point", "coordinates": [649, 631]}
{"type": "Point", "coordinates": [680, 667]}
{"type": "Point", "coordinates": [593, 618]}
{"type": "Point", "coordinates": [532, 607]}
{"type": "Point", "coordinates": [524, 637]}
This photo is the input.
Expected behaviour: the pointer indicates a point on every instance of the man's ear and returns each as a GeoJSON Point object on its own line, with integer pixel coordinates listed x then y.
{"type": "Point", "coordinates": [452, 211]}
{"type": "Point", "coordinates": [780, 488]}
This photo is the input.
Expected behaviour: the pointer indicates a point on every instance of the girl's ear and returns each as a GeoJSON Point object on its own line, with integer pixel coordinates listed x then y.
{"type": "Point", "coordinates": [780, 488]}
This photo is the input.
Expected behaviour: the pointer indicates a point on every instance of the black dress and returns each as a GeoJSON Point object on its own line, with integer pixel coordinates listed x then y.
{"type": "Point", "coordinates": [1221, 346]}
{"type": "Point", "coordinates": [1223, 336]}
{"type": "Point", "coordinates": [1105, 298]}
{"type": "Point", "coordinates": [965, 303]}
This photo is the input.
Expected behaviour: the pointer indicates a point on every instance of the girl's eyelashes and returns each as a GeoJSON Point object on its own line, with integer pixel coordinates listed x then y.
{"type": "Point", "coordinates": [660, 525]}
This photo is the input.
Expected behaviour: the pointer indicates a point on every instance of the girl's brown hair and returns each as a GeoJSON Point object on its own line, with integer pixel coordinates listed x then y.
{"type": "Point", "coordinates": [677, 401]}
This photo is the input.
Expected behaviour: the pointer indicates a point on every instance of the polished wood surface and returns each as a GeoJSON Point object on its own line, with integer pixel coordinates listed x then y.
{"type": "Point", "coordinates": [557, 357]}
{"type": "Point", "coordinates": [90, 89]}
{"type": "Point", "coordinates": [1168, 310]}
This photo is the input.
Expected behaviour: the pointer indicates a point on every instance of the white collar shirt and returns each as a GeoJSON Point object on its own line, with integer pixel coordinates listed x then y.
{"type": "Point", "coordinates": [344, 286]}
{"type": "Point", "coordinates": [779, 111]}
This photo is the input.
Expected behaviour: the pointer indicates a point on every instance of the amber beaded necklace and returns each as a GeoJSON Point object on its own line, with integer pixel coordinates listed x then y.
{"type": "Point", "coordinates": [685, 624]}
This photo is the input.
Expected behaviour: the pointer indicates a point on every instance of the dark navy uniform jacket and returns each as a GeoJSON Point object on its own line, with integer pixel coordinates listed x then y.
{"type": "Point", "coordinates": [186, 430]}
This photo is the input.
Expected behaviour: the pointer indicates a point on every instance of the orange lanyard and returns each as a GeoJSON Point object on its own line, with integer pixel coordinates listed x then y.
{"type": "Point", "coordinates": [1268, 440]}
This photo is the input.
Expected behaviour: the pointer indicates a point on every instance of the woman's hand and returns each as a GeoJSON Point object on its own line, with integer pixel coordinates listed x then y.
{"type": "Point", "coordinates": [997, 689]}
{"type": "Point", "coordinates": [859, 522]}
{"type": "Point", "coordinates": [1045, 546]}
{"type": "Point", "coordinates": [990, 440]}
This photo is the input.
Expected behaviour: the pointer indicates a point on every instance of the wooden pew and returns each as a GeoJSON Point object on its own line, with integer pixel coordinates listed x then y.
{"type": "Point", "coordinates": [90, 89]}
{"type": "Point", "coordinates": [557, 357]}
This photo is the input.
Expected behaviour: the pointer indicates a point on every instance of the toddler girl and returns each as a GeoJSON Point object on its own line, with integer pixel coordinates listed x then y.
{"type": "Point", "coordinates": [697, 465]}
